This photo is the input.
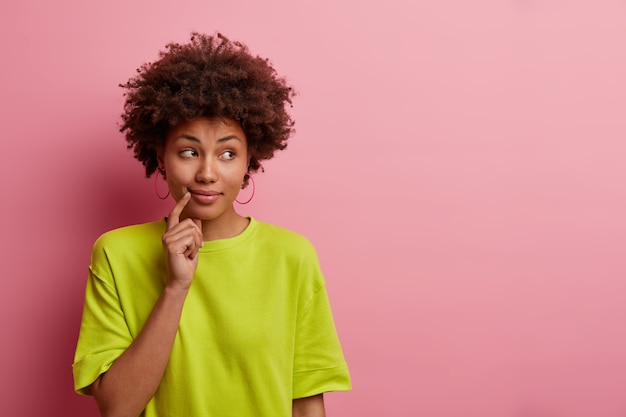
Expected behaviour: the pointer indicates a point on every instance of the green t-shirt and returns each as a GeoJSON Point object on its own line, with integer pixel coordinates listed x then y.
{"type": "Point", "coordinates": [256, 330]}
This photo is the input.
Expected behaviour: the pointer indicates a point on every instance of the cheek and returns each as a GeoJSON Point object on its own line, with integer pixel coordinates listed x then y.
{"type": "Point", "coordinates": [177, 172]}
{"type": "Point", "coordinates": [177, 181]}
{"type": "Point", "coordinates": [236, 178]}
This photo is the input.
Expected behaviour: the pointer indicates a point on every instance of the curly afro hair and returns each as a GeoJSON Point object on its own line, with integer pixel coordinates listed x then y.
{"type": "Point", "coordinates": [209, 76]}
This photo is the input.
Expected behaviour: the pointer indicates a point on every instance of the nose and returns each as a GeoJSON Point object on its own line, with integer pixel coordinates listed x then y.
{"type": "Point", "coordinates": [206, 172]}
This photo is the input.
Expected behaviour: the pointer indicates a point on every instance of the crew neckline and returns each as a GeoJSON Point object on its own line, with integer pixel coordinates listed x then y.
{"type": "Point", "coordinates": [227, 243]}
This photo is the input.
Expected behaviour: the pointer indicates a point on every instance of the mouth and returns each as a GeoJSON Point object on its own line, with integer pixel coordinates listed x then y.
{"type": "Point", "coordinates": [204, 192]}
{"type": "Point", "coordinates": [205, 196]}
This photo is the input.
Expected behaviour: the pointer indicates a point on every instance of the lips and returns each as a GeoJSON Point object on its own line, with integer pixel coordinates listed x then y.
{"type": "Point", "coordinates": [205, 196]}
{"type": "Point", "coordinates": [205, 192]}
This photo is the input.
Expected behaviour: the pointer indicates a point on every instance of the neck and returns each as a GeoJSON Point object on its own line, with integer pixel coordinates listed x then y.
{"type": "Point", "coordinates": [224, 228]}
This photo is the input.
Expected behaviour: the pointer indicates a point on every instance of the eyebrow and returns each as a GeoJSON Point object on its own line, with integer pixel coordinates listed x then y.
{"type": "Point", "coordinates": [195, 139]}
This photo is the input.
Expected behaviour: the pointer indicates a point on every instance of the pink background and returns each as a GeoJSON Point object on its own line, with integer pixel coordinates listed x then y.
{"type": "Point", "coordinates": [458, 164]}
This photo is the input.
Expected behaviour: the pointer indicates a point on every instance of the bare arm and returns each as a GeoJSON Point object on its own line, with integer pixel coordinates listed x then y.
{"type": "Point", "coordinates": [125, 389]}
{"type": "Point", "coordinates": [128, 385]}
{"type": "Point", "coordinates": [309, 407]}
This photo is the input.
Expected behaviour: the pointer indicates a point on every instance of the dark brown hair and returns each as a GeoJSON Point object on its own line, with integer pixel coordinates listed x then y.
{"type": "Point", "coordinates": [209, 76]}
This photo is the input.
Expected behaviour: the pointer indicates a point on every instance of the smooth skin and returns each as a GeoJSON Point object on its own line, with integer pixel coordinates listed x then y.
{"type": "Point", "coordinates": [205, 161]}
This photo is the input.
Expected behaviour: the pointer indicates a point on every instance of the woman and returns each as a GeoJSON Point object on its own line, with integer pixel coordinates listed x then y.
{"type": "Point", "coordinates": [207, 312]}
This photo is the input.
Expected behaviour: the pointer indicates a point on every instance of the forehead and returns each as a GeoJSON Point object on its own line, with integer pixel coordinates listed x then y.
{"type": "Point", "coordinates": [207, 129]}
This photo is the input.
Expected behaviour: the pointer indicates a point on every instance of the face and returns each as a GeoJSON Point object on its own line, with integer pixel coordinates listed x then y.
{"type": "Point", "coordinates": [209, 158]}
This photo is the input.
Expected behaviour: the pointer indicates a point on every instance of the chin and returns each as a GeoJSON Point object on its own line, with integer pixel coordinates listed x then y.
{"type": "Point", "coordinates": [206, 214]}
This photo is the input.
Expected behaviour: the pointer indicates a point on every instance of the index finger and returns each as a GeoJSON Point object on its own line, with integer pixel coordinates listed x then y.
{"type": "Point", "coordinates": [174, 218]}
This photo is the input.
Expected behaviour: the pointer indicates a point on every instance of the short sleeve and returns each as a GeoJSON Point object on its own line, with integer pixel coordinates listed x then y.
{"type": "Point", "coordinates": [104, 334]}
{"type": "Point", "coordinates": [319, 364]}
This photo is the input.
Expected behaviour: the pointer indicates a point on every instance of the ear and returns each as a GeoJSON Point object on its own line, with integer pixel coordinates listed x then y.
{"type": "Point", "coordinates": [159, 155]}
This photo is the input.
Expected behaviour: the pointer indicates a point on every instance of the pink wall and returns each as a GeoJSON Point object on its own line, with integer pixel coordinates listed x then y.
{"type": "Point", "coordinates": [458, 164]}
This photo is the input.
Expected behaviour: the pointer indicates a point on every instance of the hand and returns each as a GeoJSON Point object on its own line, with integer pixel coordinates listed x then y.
{"type": "Point", "coordinates": [181, 242]}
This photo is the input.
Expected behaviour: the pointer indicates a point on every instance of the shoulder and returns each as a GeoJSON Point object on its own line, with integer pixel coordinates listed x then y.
{"type": "Point", "coordinates": [285, 239]}
{"type": "Point", "coordinates": [131, 237]}
{"type": "Point", "coordinates": [290, 252]}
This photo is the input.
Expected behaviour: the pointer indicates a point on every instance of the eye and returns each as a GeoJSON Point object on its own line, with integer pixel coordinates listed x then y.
{"type": "Point", "coordinates": [188, 153]}
{"type": "Point", "coordinates": [228, 155]}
